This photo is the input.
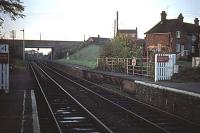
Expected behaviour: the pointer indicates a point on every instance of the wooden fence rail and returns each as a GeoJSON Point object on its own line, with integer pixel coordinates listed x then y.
{"type": "Point", "coordinates": [130, 66]}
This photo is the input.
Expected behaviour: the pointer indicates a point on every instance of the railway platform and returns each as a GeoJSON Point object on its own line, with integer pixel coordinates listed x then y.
{"type": "Point", "coordinates": [184, 86]}
{"type": "Point", "coordinates": [18, 111]}
{"type": "Point", "coordinates": [179, 99]}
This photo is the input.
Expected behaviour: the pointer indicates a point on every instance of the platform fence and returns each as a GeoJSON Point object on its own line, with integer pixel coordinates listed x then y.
{"type": "Point", "coordinates": [129, 66]}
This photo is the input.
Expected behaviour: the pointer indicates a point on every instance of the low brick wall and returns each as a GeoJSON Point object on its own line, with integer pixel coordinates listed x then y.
{"type": "Point", "coordinates": [125, 85]}
{"type": "Point", "coordinates": [180, 103]}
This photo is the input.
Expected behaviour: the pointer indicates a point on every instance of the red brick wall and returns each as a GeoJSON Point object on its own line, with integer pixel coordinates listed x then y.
{"type": "Point", "coordinates": [155, 39]}
{"type": "Point", "coordinates": [131, 36]}
{"type": "Point", "coordinates": [169, 40]}
{"type": "Point", "coordinates": [183, 40]}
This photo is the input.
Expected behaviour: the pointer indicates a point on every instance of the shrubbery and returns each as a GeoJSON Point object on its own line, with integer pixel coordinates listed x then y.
{"type": "Point", "coordinates": [122, 47]}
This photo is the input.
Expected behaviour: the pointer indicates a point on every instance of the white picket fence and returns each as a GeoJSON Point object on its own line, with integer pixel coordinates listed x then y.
{"type": "Point", "coordinates": [4, 67]}
{"type": "Point", "coordinates": [164, 66]}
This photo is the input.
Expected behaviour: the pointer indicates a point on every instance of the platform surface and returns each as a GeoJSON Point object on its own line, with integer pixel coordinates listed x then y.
{"type": "Point", "coordinates": [16, 106]}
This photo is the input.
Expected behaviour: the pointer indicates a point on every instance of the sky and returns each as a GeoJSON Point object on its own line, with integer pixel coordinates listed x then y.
{"type": "Point", "coordinates": [70, 20]}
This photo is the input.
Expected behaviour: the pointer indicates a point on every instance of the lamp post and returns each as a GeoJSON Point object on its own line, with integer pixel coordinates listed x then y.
{"type": "Point", "coordinates": [13, 36]}
{"type": "Point", "coordinates": [23, 45]}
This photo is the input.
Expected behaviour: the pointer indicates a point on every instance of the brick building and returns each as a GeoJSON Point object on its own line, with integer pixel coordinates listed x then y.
{"type": "Point", "coordinates": [98, 40]}
{"type": "Point", "coordinates": [174, 35]}
{"type": "Point", "coordinates": [131, 34]}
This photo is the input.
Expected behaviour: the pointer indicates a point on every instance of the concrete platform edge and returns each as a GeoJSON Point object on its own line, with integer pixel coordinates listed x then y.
{"type": "Point", "coordinates": [36, 125]}
{"type": "Point", "coordinates": [168, 88]}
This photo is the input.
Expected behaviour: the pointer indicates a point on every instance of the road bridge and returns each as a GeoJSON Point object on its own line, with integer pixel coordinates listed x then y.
{"type": "Point", "coordinates": [16, 46]}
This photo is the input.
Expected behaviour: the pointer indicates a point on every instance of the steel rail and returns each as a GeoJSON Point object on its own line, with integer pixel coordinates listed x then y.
{"type": "Point", "coordinates": [108, 130]}
{"type": "Point", "coordinates": [132, 113]}
{"type": "Point", "coordinates": [150, 106]}
{"type": "Point", "coordinates": [55, 120]}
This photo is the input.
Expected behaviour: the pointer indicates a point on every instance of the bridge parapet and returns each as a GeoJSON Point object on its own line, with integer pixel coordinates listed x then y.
{"type": "Point", "coordinates": [17, 46]}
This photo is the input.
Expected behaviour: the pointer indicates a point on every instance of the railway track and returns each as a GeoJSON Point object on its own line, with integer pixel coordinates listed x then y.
{"type": "Point", "coordinates": [153, 117]}
{"type": "Point", "coordinates": [69, 115]}
{"type": "Point", "coordinates": [111, 117]}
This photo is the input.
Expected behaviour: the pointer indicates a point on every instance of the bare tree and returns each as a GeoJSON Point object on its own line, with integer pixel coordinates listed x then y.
{"type": "Point", "coordinates": [13, 8]}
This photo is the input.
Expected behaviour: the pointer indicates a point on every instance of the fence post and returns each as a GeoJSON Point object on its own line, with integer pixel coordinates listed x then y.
{"type": "Point", "coordinates": [148, 67]}
{"type": "Point", "coordinates": [112, 64]}
{"type": "Point", "coordinates": [133, 61]}
{"type": "Point", "coordinates": [97, 62]}
{"type": "Point", "coordinates": [126, 60]}
{"type": "Point", "coordinates": [156, 68]}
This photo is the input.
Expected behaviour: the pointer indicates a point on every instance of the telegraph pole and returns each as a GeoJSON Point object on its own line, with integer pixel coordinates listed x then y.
{"type": "Point", "coordinates": [13, 35]}
{"type": "Point", "coordinates": [114, 28]}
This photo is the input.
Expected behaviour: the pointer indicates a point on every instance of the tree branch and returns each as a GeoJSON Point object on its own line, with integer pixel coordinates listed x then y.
{"type": "Point", "coordinates": [14, 8]}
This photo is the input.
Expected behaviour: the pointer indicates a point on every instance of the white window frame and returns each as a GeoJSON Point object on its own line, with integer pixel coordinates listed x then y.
{"type": "Point", "coordinates": [193, 38]}
{"type": "Point", "coordinates": [182, 50]}
{"type": "Point", "coordinates": [193, 49]}
{"type": "Point", "coordinates": [159, 46]}
{"type": "Point", "coordinates": [178, 34]}
{"type": "Point", "coordinates": [178, 48]}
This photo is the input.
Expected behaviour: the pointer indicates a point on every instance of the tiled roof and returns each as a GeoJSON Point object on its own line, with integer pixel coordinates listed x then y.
{"type": "Point", "coordinates": [173, 25]}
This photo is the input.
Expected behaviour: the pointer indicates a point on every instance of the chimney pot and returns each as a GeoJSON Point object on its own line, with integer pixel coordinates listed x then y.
{"type": "Point", "coordinates": [163, 16]}
{"type": "Point", "coordinates": [180, 18]}
{"type": "Point", "coordinates": [196, 21]}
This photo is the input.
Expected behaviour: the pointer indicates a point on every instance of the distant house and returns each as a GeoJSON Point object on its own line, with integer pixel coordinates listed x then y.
{"type": "Point", "coordinates": [174, 35]}
{"type": "Point", "coordinates": [129, 33]}
{"type": "Point", "coordinates": [98, 40]}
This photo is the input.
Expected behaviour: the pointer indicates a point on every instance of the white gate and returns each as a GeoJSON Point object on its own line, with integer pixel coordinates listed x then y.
{"type": "Point", "coordinates": [164, 66]}
{"type": "Point", "coordinates": [4, 67]}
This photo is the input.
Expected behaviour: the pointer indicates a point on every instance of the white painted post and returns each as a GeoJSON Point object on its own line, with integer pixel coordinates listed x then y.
{"type": "Point", "coordinates": [156, 68]}
{"type": "Point", "coordinates": [4, 67]}
{"type": "Point", "coordinates": [127, 66]}
{"type": "Point", "coordinates": [97, 62]}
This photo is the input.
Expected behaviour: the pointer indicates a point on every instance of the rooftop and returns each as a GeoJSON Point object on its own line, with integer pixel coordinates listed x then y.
{"type": "Point", "coordinates": [173, 25]}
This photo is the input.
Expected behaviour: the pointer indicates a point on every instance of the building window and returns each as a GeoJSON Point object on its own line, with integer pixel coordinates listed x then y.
{"type": "Point", "coordinates": [182, 50]}
{"type": "Point", "coordinates": [178, 34]}
{"type": "Point", "coordinates": [193, 38]}
{"type": "Point", "coordinates": [178, 48]}
{"type": "Point", "coordinates": [193, 49]}
{"type": "Point", "coordinates": [159, 47]}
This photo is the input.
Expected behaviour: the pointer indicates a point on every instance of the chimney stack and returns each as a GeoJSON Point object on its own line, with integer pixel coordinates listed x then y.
{"type": "Point", "coordinates": [196, 21]}
{"type": "Point", "coordinates": [136, 33]}
{"type": "Point", "coordinates": [163, 16]}
{"type": "Point", "coordinates": [180, 18]}
{"type": "Point", "coordinates": [117, 21]}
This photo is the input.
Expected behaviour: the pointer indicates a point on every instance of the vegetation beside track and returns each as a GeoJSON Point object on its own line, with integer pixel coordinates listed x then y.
{"type": "Point", "coordinates": [85, 57]}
